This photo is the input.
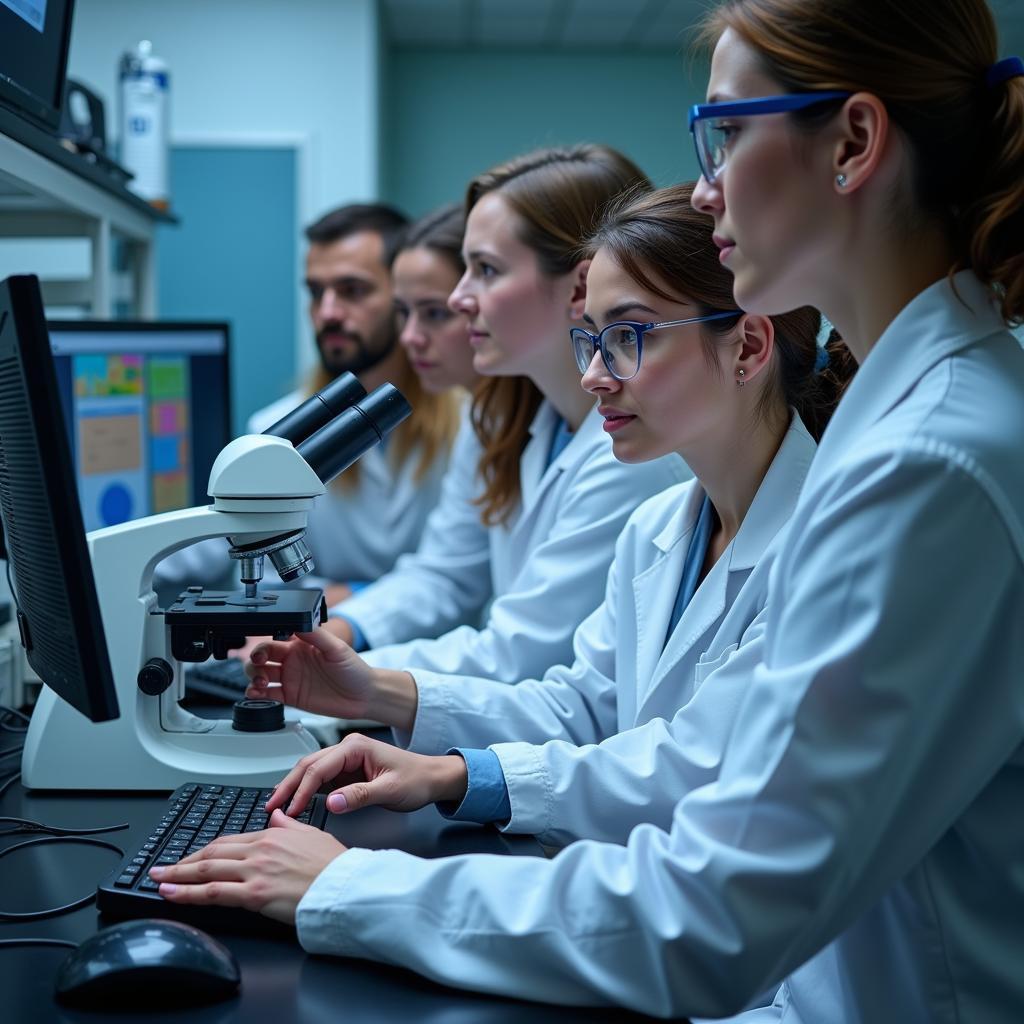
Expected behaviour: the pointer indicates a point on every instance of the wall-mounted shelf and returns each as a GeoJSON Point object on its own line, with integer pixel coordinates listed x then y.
{"type": "Point", "coordinates": [47, 191]}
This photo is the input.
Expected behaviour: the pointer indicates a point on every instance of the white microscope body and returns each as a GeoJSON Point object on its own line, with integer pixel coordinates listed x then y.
{"type": "Point", "coordinates": [261, 488]}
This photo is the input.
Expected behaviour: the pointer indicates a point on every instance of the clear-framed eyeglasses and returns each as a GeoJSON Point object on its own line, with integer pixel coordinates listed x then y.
{"type": "Point", "coordinates": [622, 344]}
{"type": "Point", "coordinates": [712, 128]}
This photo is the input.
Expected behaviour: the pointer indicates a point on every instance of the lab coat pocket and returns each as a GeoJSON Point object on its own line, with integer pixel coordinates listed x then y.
{"type": "Point", "coordinates": [709, 662]}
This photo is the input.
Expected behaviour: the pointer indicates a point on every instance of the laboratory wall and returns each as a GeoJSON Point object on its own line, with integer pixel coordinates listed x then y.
{"type": "Point", "coordinates": [449, 114]}
{"type": "Point", "coordinates": [250, 75]}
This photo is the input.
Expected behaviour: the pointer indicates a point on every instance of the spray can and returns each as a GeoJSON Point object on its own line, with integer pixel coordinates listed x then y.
{"type": "Point", "coordinates": [145, 116]}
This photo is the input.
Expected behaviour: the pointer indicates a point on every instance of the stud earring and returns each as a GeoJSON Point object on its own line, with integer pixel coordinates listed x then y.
{"type": "Point", "coordinates": [841, 180]}
{"type": "Point", "coordinates": [742, 376]}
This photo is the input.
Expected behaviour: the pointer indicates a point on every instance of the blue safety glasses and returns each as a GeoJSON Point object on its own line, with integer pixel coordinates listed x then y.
{"type": "Point", "coordinates": [622, 344]}
{"type": "Point", "coordinates": [712, 129]}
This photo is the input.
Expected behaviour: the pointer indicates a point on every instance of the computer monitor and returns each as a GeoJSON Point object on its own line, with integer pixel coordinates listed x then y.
{"type": "Point", "coordinates": [147, 408]}
{"type": "Point", "coordinates": [58, 611]}
{"type": "Point", "coordinates": [34, 39]}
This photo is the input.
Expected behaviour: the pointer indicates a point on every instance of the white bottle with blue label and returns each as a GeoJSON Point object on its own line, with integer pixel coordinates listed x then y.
{"type": "Point", "coordinates": [145, 116]}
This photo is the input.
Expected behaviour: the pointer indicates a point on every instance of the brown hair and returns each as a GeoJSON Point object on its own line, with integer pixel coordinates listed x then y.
{"type": "Point", "coordinates": [665, 245]}
{"type": "Point", "coordinates": [559, 196]}
{"type": "Point", "coordinates": [967, 138]}
{"type": "Point", "coordinates": [440, 231]}
{"type": "Point", "coordinates": [355, 218]}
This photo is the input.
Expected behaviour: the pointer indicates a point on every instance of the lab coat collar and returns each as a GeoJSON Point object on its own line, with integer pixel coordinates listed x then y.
{"type": "Point", "coordinates": [931, 327]}
{"type": "Point", "coordinates": [772, 505]}
{"type": "Point", "coordinates": [535, 475]}
{"type": "Point", "coordinates": [681, 525]}
{"type": "Point", "coordinates": [654, 591]}
{"type": "Point", "coordinates": [776, 498]}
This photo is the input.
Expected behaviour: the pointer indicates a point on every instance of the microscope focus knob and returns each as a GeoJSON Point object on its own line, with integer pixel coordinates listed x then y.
{"type": "Point", "coordinates": [257, 716]}
{"type": "Point", "coordinates": [155, 676]}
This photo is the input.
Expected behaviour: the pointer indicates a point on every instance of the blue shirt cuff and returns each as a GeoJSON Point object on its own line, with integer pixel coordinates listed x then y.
{"type": "Point", "coordinates": [358, 639]}
{"type": "Point", "coordinates": [356, 585]}
{"type": "Point", "coordinates": [486, 798]}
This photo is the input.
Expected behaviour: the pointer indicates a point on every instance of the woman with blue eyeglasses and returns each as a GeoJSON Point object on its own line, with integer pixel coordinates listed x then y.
{"type": "Point", "coordinates": [671, 371]}
{"type": "Point", "coordinates": [643, 713]}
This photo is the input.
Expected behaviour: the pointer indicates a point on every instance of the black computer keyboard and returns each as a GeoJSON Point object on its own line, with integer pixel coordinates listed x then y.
{"type": "Point", "coordinates": [196, 814]}
{"type": "Point", "coordinates": [222, 680]}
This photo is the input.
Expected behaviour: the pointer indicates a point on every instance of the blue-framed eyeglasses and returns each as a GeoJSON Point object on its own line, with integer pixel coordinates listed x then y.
{"type": "Point", "coordinates": [712, 132]}
{"type": "Point", "coordinates": [622, 344]}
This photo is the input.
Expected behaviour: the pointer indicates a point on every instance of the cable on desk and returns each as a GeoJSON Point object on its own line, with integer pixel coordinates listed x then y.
{"type": "Point", "coordinates": [38, 915]}
{"type": "Point", "coordinates": [6, 713]}
{"type": "Point", "coordinates": [8, 782]}
{"type": "Point", "coordinates": [39, 942]}
{"type": "Point", "coordinates": [12, 751]}
{"type": "Point", "coordinates": [27, 825]}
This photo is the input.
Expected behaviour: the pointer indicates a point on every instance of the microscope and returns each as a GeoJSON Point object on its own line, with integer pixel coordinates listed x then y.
{"type": "Point", "coordinates": [262, 486]}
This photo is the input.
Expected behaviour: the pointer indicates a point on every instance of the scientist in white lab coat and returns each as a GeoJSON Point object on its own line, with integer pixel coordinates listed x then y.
{"type": "Point", "coordinates": [534, 497]}
{"type": "Point", "coordinates": [686, 593]}
{"type": "Point", "coordinates": [862, 843]}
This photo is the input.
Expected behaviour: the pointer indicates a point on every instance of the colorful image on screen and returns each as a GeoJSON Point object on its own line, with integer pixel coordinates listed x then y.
{"type": "Point", "coordinates": [169, 431]}
{"type": "Point", "coordinates": [147, 408]}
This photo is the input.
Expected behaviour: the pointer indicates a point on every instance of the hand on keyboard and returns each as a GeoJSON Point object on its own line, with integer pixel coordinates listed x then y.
{"type": "Point", "coordinates": [267, 872]}
{"type": "Point", "coordinates": [366, 771]}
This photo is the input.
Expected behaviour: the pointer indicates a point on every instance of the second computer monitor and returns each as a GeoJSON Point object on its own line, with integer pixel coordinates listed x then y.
{"type": "Point", "coordinates": [147, 407]}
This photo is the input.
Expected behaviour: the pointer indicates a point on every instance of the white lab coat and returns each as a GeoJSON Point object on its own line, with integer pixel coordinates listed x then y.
{"type": "Point", "coordinates": [446, 581]}
{"type": "Point", "coordinates": [866, 823]}
{"type": "Point", "coordinates": [625, 675]}
{"type": "Point", "coordinates": [547, 566]}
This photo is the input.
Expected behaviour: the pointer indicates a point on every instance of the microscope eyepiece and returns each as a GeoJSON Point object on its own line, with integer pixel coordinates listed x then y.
{"type": "Point", "coordinates": [318, 410]}
{"type": "Point", "coordinates": [334, 448]}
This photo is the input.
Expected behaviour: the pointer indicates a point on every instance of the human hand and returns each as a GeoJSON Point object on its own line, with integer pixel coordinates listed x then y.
{"type": "Point", "coordinates": [244, 653]}
{"type": "Point", "coordinates": [313, 671]}
{"type": "Point", "coordinates": [320, 673]}
{"type": "Point", "coordinates": [267, 872]}
{"type": "Point", "coordinates": [365, 771]}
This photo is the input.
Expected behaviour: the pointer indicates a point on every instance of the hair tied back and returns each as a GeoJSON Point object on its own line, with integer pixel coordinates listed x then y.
{"type": "Point", "coordinates": [1003, 70]}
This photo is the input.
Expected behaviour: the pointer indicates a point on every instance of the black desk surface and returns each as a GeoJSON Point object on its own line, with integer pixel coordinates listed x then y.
{"type": "Point", "coordinates": [280, 982]}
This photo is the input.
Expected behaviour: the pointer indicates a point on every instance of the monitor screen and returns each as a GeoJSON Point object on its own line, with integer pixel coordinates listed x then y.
{"type": "Point", "coordinates": [34, 38]}
{"type": "Point", "coordinates": [58, 612]}
{"type": "Point", "coordinates": [147, 411]}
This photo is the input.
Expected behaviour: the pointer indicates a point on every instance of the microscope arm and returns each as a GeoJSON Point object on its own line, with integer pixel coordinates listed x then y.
{"type": "Point", "coordinates": [155, 744]}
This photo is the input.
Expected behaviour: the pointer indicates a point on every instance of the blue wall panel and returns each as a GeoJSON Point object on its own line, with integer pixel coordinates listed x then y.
{"type": "Point", "coordinates": [233, 257]}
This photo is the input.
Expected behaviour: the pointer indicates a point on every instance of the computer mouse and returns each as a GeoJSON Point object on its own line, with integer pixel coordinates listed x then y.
{"type": "Point", "coordinates": [148, 963]}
